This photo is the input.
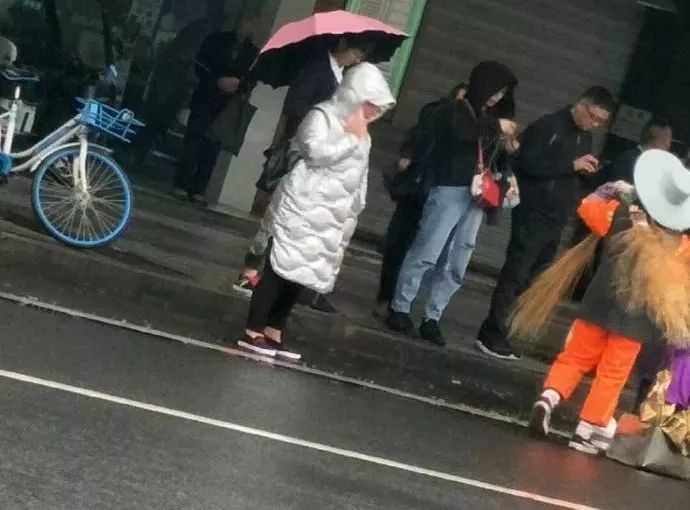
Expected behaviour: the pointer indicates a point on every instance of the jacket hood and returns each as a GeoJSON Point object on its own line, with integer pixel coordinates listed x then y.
{"type": "Point", "coordinates": [486, 79]}
{"type": "Point", "coordinates": [361, 84]}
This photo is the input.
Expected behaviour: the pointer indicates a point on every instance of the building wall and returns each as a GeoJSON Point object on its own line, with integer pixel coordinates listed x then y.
{"type": "Point", "coordinates": [556, 47]}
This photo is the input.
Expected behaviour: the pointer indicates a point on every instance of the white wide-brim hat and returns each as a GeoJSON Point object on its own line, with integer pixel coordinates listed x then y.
{"type": "Point", "coordinates": [662, 184]}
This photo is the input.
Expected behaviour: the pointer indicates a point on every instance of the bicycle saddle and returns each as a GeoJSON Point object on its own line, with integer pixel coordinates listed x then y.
{"type": "Point", "coordinates": [18, 74]}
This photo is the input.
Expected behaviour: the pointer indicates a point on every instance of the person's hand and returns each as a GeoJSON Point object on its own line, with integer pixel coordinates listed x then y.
{"type": "Point", "coordinates": [508, 127]}
{"type": "Point", "coordinates": [586, 164]}
{"type": "Point", "coordinates": [512, 144]}
{"type": "Point", "coordinates": [357, 125]}
{"type": "Point", "coordinates": [404, 164]}
{"type": "Point", "coordinates": [228, 84]}
{"type": "Point", "coordinates": [623, 187]}
{"type": "Point", "coordinates": [638, 216]}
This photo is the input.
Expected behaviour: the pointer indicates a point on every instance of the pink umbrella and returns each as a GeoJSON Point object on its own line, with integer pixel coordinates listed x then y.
{"type": "Point", "coordinates": [294, 42]}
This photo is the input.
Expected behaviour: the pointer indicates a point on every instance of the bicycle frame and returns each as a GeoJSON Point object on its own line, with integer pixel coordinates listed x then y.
{"type": "Point", "coordinates": [57, 139]}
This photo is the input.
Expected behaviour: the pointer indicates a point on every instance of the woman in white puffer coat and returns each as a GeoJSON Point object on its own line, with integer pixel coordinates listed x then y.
{"type": "Point", "coordinates": [314, 210]}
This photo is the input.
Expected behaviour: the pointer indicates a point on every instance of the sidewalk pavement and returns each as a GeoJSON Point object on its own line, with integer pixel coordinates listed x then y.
{"type": "Point", "coordinates": [174, 268]}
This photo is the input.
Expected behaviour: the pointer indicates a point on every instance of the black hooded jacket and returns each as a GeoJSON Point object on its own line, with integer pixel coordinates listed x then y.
{"type": "Point", "coordinates": [461, 124]}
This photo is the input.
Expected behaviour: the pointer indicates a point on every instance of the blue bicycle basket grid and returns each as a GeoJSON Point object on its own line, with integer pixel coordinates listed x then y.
{"type": "Point", "coordinates": [121, 124]}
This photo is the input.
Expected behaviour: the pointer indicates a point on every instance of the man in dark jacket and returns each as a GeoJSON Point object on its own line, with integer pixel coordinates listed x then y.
{"type": "Point", "coordinates": [555, 152]}
{"type": "Point", "coordinates": [451, 216]}
{"type": "Point", "coordinates": [412, 168]}
{"type": "Point", "coordinates": [222, 65]}
{"type": "Point", "coordinates": [656, 134]}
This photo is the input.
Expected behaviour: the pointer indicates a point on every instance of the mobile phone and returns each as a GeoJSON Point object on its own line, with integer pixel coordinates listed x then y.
{"type": "Point", "coordinates": [604, 163]}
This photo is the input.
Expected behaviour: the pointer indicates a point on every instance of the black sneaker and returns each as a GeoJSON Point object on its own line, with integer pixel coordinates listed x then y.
{"type": "Point", "coordinates": [431, 332]}
{"type": "Point", "coordinates": [321, 304]}
{"type": "Point", "coordinates": [282, 351]}
{"type": "Point", "coordinates": [400, 323]}
{"type": "Point", "coordinates": [246, 284]}
{"type": "Point", "coordinates": [259, 345]}
{"type": "Point", "coordinates": [500, 349]}
{"type": "Point", "coordinates": [540, 422]}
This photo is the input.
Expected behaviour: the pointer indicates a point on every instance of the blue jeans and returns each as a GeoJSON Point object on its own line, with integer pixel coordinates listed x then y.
{"type": "Point", "coordinates": [445, 243]}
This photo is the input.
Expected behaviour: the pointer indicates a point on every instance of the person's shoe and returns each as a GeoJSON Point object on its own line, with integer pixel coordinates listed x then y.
{"type": "Point", "coordinates": [400, 323]}
{"type": "Point", "coordinates": [592, 439]}
{"type": "Point", "coordinates": [540, 422]}
{"type": "Point", "coordinates": [382, 311]}
{"type": "Point", "coordinates": [431, 332]}
{"type": "Point", "coordinates": [246, 284]}
{"type": "Point", "coordinates": [321, 304]}
{"type": "Point", "coordinates": [196, 198]}
{"type": "Point", "coordinates": [179, 193]}
{"type": "Point", "coordinates": [282, 351]}
{"type": "Point", "coordinates": [258, 345]}
{"type": "Point", "coordinates": [581, 444]}
{"type": "Point", "coordinates": [499, 348]}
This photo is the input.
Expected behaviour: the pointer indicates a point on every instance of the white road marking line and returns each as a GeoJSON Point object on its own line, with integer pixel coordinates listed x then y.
{"type": "Point", "coordinates": [75, 390]}
{"type": "Point", "coordinates": [145, 330]}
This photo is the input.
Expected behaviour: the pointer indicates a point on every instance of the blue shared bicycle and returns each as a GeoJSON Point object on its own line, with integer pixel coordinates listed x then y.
{"type": "Point", "coordinates": [80, 194]}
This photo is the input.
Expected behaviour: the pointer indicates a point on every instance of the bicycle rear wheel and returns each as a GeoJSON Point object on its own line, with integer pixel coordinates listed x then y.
{"type": "Point", "coordinates": [76, 218]}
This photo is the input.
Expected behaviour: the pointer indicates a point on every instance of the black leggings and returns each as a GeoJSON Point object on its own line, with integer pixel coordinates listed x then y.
{"type": "Point", "coordinates": [272, 301]}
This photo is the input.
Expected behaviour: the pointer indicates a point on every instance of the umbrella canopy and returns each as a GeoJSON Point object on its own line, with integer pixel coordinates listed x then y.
{"type": "Point", "coordinates": [295, 42]}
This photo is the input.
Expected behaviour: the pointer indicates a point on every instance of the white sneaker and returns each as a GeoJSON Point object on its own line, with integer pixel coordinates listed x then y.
{"type": "Point", "coordinates": [593, 439]}
{"type": "Point", "coordinates": [540, 422]}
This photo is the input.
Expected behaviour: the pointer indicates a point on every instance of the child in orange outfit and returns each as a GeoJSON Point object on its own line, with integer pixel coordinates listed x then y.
{"type": "Point", "coordinates": [636, 296]}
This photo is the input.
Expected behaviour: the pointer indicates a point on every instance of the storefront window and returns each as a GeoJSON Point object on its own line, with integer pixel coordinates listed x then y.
{"type": "Point", "coordinates": [152, 44]}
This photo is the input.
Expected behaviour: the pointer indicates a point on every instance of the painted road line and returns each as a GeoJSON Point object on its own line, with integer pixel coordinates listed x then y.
{"type": "Point", "coordinates": [280, 438]}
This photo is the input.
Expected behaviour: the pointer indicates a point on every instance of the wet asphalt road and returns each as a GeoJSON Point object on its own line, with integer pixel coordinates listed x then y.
{"type": "Point", "coordinates": [64, 450]}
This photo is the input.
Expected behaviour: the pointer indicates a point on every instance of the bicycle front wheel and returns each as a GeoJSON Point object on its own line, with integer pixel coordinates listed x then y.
{"type": "Point", "coordinates": [78, 218]}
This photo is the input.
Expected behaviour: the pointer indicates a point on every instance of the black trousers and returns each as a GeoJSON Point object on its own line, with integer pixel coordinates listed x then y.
{"type": "Point", "coordinates": [272, 301]}
{"type": "Point", "coordinates": [199, 154]}
{"type": "Point", "coordinates": [400, 235]}
{"type": "Point", "coordinates": [534, 242]}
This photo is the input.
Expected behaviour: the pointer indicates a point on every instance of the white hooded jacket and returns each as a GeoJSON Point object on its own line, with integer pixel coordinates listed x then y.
{"type": "Point", "coordinates": [314, 210]}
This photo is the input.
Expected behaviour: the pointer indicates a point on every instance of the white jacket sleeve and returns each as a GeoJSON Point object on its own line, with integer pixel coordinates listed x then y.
{"type": "Point", "coordinates": [311, 141]}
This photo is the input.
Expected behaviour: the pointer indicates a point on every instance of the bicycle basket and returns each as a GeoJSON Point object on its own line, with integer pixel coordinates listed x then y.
{"type": "Point", "coordinates": [118, 123]}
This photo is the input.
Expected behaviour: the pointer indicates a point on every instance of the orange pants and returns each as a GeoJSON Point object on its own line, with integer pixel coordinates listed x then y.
{"type": "Point", "coordinates": [592, 347]}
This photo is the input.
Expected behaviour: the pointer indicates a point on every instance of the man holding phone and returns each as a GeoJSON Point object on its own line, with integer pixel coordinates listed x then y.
{"type": "Point", "coordinates": [556, 151]}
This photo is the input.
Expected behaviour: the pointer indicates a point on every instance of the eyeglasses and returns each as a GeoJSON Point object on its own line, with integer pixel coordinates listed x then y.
{"type": "Point", "coordinates": [595, 118]}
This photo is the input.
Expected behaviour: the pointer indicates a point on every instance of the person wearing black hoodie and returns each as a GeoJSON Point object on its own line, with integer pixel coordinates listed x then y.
{"type": "Point", "coordinates": [409, 189]}
{"type": "Point", "coordinates": [555, 154]}
{"type": "Point", "coordinates": [451, 218]}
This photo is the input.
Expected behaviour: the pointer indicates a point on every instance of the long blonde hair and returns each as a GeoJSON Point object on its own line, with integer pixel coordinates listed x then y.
{"type": "Point", "coordinates": [535, 307]}
{"type": "Point", "coordinates": [651, 275]}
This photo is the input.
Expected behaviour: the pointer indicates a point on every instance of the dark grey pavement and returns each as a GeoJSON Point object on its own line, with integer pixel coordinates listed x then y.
{"type": "Point", "coordinates": [173, 271]}
{"type": "Point", "coordinates": [67, 451]}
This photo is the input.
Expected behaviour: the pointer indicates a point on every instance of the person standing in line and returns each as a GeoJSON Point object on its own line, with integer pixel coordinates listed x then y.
{"type": "Point", "coordinates": [412, 168]}
{"type": "Point", "coordinates": [555, 151]}
{"type": "Point", "coordinates": [656, 134]}
{"type": "Point", "coordinates": [315, 208]}
{"type": "Point", "coordinates": [452, 217]}
{"type": "Point", "coordinates": [222, 66]}
{"type": "Point", "coordinates": [314, 83]}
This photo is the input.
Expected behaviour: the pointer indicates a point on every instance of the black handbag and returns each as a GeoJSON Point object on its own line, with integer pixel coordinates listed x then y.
{"type": "Point", "coordinates": [276, 166]}
{"type": "Point", "coordinates": [230, 126]}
